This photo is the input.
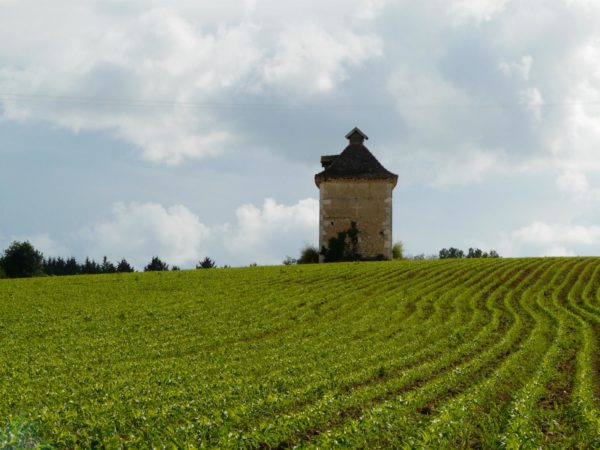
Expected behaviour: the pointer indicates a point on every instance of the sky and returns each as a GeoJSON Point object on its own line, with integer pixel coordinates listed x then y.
{"type": "Point", "coordinates": [187, 129]}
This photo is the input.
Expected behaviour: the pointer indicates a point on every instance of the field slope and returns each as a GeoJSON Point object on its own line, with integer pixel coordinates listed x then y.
{"type": "Point", "coordinates": [432, 354]}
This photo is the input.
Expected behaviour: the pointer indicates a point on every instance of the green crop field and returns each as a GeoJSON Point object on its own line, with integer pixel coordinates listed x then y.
{"type": "Point", "coordinates": [500, 353]}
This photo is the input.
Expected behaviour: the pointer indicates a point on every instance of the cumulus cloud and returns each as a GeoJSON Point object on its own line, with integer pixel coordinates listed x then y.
{"type": "Point", "coordinates": [139, 78]}
{"type": "Point", "coordinates": [541, 238]}
{"type": "Point", "coordinates": [493, 90]}
{"type": "Point", "coordinates": [544, 233]}
{"type": "Point", "coordinates": [308, 55]}
{"type": "Point", "coordinates": [522, 67]}
{"type": "Point", "coordinates": [476, 10]}
{"type": "Point", "coordinates": [445, 134]}
{"type": "Point", "coordinates": [167, 78]}
{"type": "Point", "coordinates": [272, 231]}
{"type": "Point", "coordinates": [573, 143]}
{"type": "Point", "coordinates": [586, 5]}
{"type": "Point", "coordinates": [48, 246]}
{"type": "Point", "coordinates": [140, 231]}
{"type": "Point", "coordinates": [558, 250]}
{"type": "Point", "coordinates": [41, 242]}
{"type": "Point", "coordinates": [573, 182]}
{"type": "Point", "coordinates": [154, 75]}
{"type": "Point", "coordinates": [532, 98]}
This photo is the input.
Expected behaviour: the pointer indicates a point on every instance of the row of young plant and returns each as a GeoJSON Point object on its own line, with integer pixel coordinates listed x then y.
{"type": "Point", "coordinates": [339, 279]}
{"type": "Point", "coordinates": [436, 359]}
{"type": "Point", "coordinates": [537, 396]}
{"type": "Point", "coordinates": [437, 354]}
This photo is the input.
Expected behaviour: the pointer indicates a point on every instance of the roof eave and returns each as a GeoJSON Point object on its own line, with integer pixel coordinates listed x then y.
{"type": "Point", "coordinates": [321, 177]}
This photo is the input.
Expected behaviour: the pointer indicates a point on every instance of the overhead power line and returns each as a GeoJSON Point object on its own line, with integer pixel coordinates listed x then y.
{"type": "Point", "coordinates": [153, 104]}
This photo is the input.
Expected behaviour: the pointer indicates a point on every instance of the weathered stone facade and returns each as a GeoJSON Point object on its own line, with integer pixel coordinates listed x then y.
{"type": "Point", "coordinates": [366, 202]}
{"type": "Point", "coordinates": [355, 187]}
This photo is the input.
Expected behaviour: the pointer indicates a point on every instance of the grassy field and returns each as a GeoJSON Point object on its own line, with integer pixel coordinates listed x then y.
{"type": "Point", "coordinates": [432, 354]}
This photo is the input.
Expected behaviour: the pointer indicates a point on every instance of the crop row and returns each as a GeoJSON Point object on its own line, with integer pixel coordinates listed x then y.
{"type": "Point", "coordinates": [463, 353]}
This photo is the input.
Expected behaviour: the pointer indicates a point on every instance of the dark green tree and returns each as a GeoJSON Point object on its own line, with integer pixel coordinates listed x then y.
{"type": "Point", "coordinates": [124, 266]}
{"type": "Point", "coordinates": [21, 260]}
{"type": "Point", "coordinates": [107, 266]}
{"type": "Point", "coordinates": [72, 267]}
{"type": "Point", "coordinates": [206, 263]}
{"type": "Point", "coordinates": [156, 265]}
{"type": "Point", "coordinates": [476, 253]}
{"type": "Point", "coordinates": [54, 266]}
{"type": "Point", "coordinates": [90, 267]}
{"type": "Point", "coordinates": [449, 253]}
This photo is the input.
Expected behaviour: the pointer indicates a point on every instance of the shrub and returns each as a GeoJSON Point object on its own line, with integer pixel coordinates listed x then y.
{"type": "Point", "coordinates": [398, 250]}
{"type": "Point", "coordinates": [344, 247]}
{"type": "Point", "coordinates": [22, 260]}
{"type": "Point", "coordinates": [309, 255]}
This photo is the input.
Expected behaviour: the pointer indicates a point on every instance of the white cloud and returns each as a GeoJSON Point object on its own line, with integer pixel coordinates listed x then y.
{"type": "Point", "coordinates": [140, 81]}
{"type": "Point", "coordinates": [586, 5]}
{"type": "Point", "coordinates": [574, 143]}
{"type": "Point", "coordinates": [522, 67]}
{"type": "Point", "coordinates": [541, 238]}
{"type": "Point", "coordinates": [140, 231]}
{"type": "Point", "coordinates": [558, 250]}
{"type": "Point", "coordinates": [41, 242]}
{"type": "Point", "coordinates": [370, 9]}
{"type": "Point", "coordinates": [269, 233]}
{"type": "Point", "coordinates": [452, 105]}
{"type": "Point", "coordinates": [436, 111]}
{"type": "Point", "coordinates": [265, 234]}
{"type": "Point", "coordinates": [309, 56]}
{"type": "Point", "coordinates": [48, 246]}
{"type": "Point", "coordinates": [532, 98]}
{"type": "Point", "coordinates": [467, 168]}
{"type": "Point", "coordinates": [572, 182]}
{"type": "Point", "coordinates": [476, 10]}
{"type": "Point", "coordinates": [154, 75]}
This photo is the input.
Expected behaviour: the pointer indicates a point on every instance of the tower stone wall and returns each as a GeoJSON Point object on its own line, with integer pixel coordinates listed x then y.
{"type": "Point", "coordinates": [366, 202]}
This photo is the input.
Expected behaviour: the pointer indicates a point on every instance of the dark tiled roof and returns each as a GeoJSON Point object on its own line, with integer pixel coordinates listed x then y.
{"type": "Point", "coordinates": [355, 162]}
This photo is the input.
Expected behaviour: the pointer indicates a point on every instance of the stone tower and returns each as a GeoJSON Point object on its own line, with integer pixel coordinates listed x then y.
{"type": "Point", "coordinates": [355, 187]}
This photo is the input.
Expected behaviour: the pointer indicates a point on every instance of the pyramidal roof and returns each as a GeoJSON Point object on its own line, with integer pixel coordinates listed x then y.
{"type": "Point", "coordinates": [355, 162]}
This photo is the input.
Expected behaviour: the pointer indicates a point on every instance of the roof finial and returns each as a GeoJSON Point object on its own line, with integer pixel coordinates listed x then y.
{"type": "Point", "coordinates": [355, 136]}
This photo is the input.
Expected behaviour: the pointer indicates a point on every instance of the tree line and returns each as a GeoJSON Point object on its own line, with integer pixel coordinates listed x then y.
{"type": "Point", "coordinates": [449, 253]}
{"type": "Point", "coordinates": [21, 260]}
